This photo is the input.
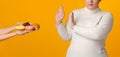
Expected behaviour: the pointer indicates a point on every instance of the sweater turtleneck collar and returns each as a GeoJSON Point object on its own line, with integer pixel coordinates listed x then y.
{"type": "Point", "coordinates": [92, 11]}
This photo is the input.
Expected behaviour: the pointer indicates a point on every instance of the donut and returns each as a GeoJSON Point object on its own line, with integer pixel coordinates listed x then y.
{"type": "Point", "coordinates": [20, 27]}
{"type": "Point", "coordinates": [28, 27]}
{"type": "Point", "coordinates": [36, 26]}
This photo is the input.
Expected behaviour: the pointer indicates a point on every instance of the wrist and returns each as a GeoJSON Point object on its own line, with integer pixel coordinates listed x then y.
{"type": "Point", "coordinates": [16, 33]}
{"type": "Point", "coordinates": [58, 23]}
{"type": "Point", "coordinates": [13, 27]}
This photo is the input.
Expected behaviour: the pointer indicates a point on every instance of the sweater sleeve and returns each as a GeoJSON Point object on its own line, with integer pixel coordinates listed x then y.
{"type": "Point", "coordinates": [65, 31]}
{"type": "Point", "coordinates": [99, 32]}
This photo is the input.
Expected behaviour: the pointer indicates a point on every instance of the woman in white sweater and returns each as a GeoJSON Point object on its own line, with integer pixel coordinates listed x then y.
{"type": "Point", "coordinates": [87, 28]}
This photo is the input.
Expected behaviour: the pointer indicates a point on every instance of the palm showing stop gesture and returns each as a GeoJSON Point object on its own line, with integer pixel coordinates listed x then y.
{"type": "Point", "coordinates": [59, 15]}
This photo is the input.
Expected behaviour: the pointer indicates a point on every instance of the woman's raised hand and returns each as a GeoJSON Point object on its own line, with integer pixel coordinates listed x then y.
{"type": "Point", "coordinates": [59, 15]}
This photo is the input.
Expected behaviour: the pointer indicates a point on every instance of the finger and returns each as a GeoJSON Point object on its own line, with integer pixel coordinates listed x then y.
{"type": "Point", "coordinates": [61, 9]}
{"type": "Point", "coordinates": [57, 10]}
{"type": "Point", "coordinates": [72, 17]}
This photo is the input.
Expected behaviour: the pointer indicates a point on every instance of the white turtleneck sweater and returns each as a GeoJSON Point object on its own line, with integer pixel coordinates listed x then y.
{"type": "Point", "coordinates": [89, 34]}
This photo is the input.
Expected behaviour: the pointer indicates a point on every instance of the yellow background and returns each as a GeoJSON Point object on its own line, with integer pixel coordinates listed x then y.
{"type": "Point", "coordinates": [46, 42]}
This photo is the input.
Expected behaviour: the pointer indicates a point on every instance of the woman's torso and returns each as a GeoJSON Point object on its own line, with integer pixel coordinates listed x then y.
{"type": "Point", "coordinates": [81, 46]}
